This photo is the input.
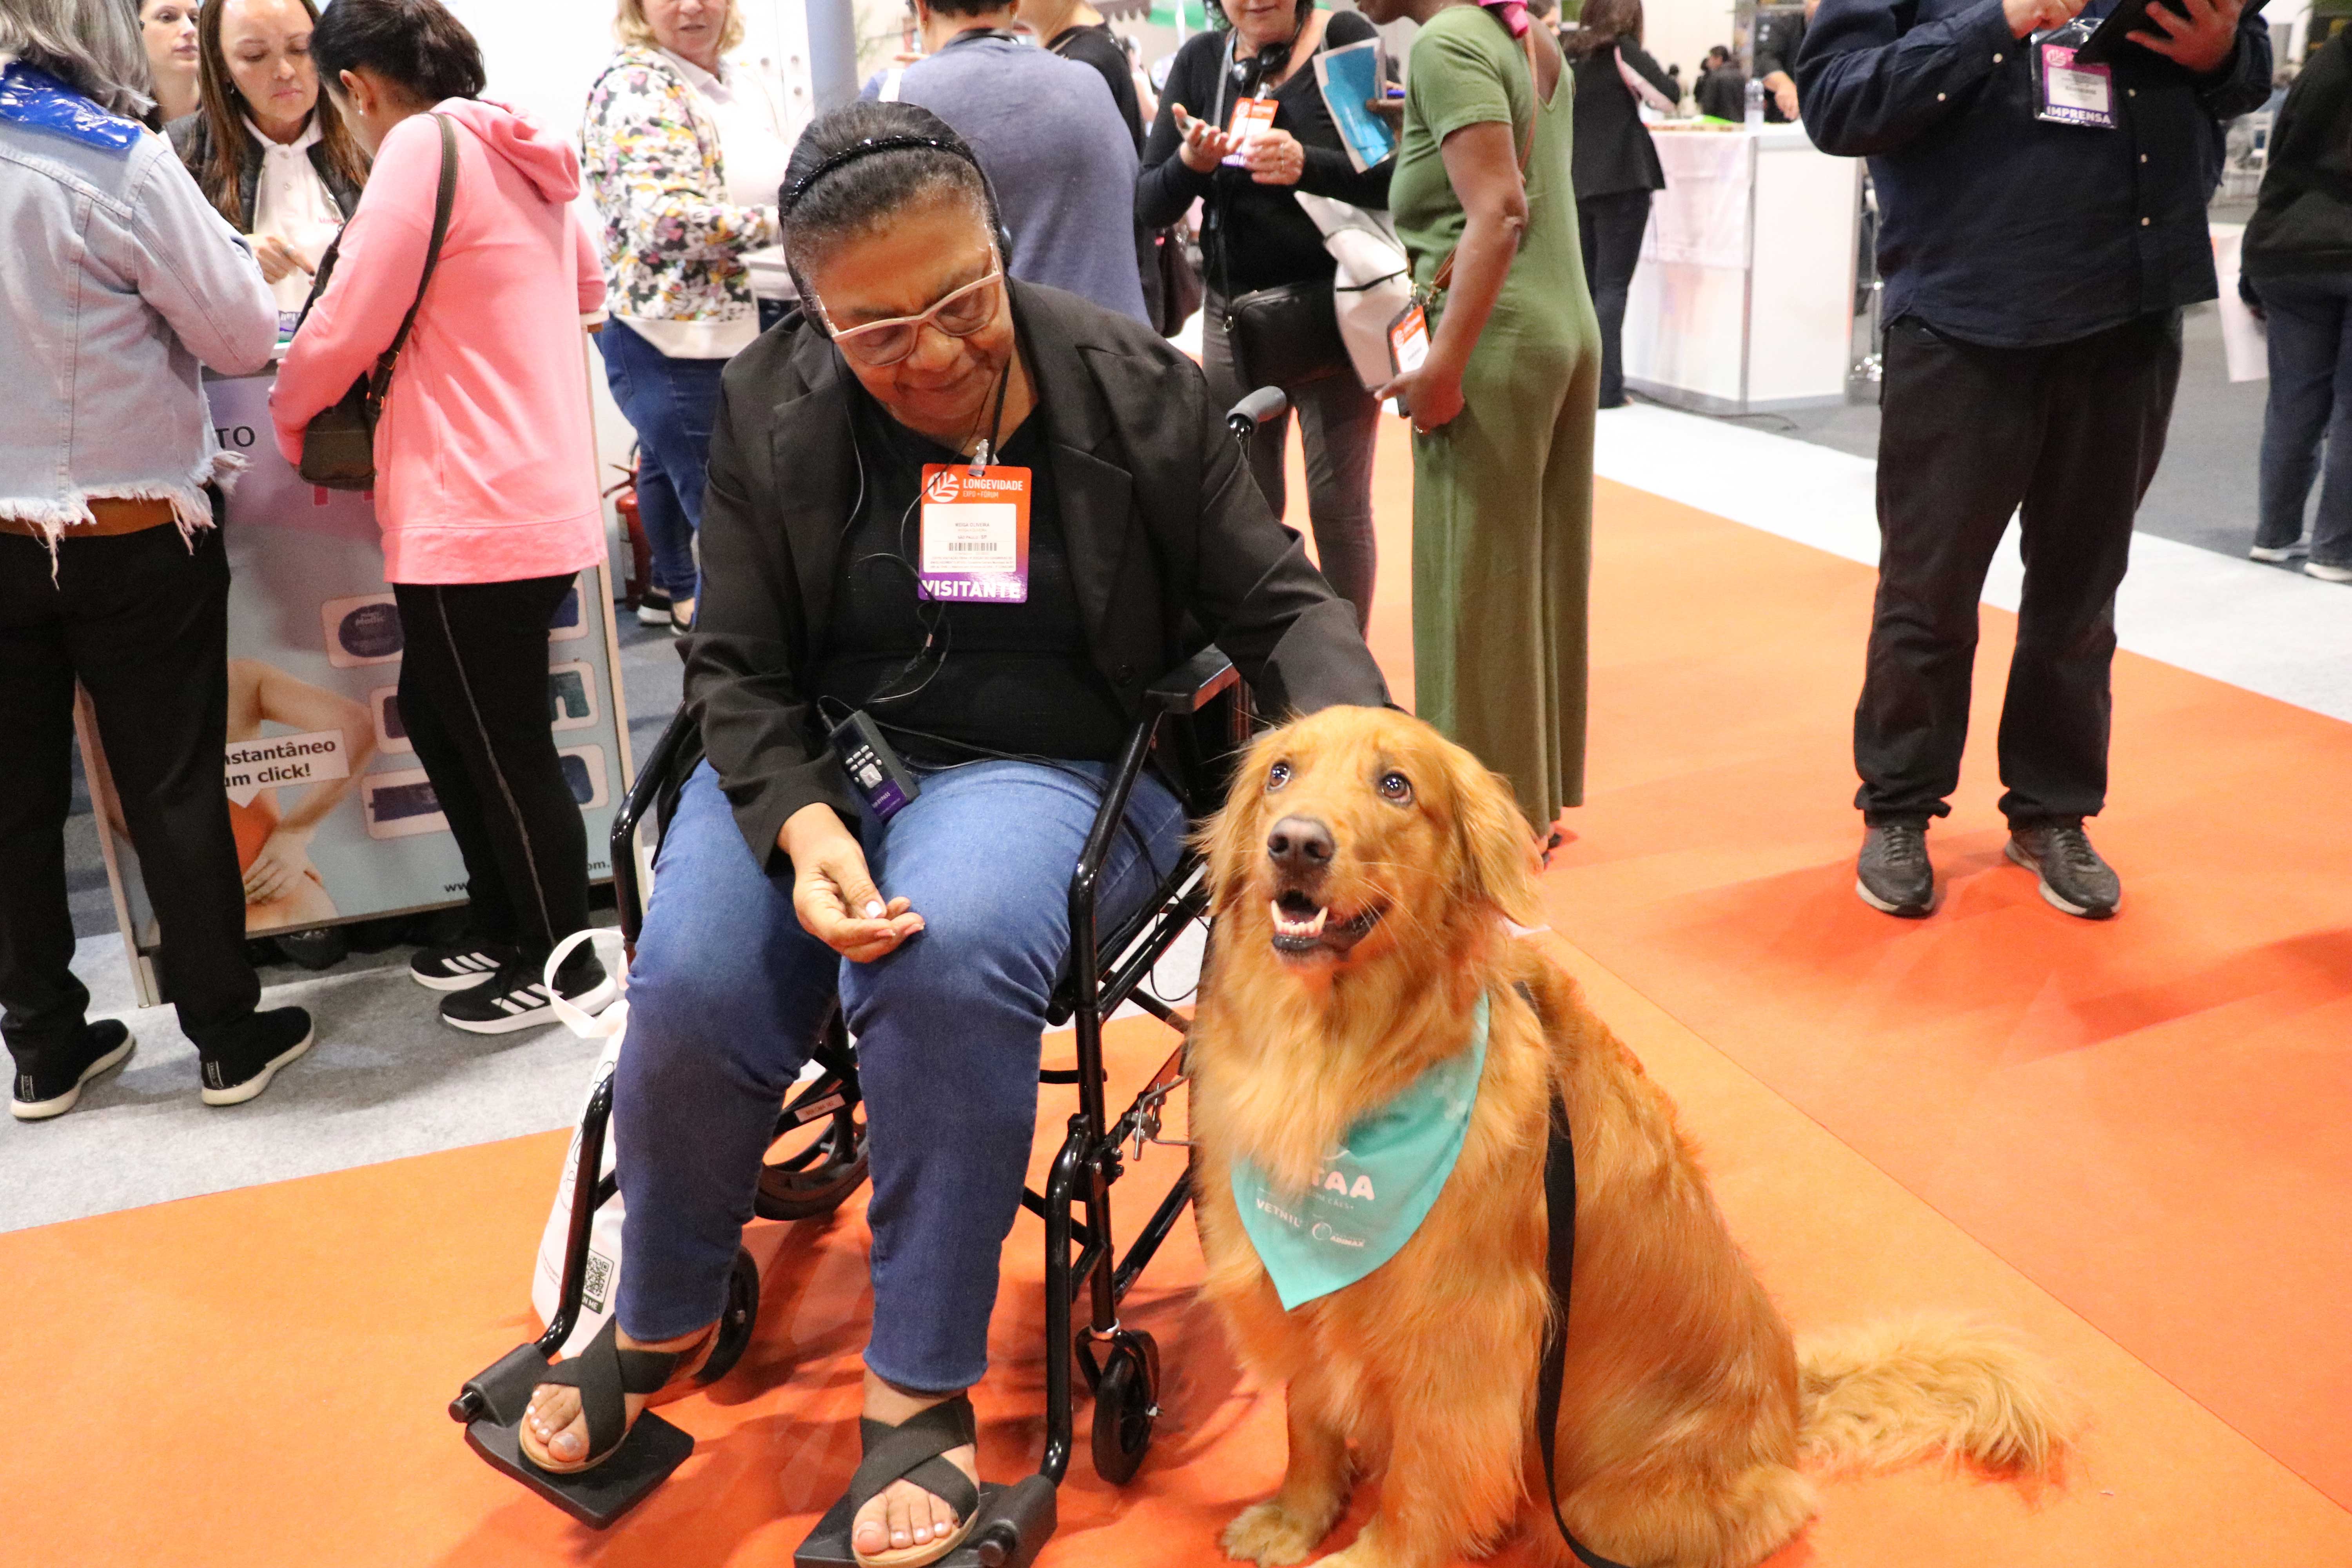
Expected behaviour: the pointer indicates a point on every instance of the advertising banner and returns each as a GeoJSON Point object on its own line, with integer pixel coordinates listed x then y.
{"type": "Point", "coordinates": [335, 820]}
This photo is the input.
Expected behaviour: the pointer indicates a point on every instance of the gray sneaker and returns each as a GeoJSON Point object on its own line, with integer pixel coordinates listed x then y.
{"type": "Point", "coordinates": [1892, 875]}
{"type": "Point", "coordinates": [2074, 878]}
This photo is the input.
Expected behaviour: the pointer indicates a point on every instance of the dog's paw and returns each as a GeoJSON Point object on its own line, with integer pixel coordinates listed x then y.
{"type": "Point", "coordinates": [1270, 1535]}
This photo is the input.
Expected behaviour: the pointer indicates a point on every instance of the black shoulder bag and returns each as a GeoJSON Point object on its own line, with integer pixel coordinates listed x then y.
{"type": "Point", "coordinates": [339, 444]}
{"type": "Point", "coordinates": [1285, 336]}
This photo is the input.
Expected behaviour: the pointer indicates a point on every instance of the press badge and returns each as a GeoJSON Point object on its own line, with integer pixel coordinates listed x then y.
{"type": "Point", "coordinates": [1408, 338]}
{"type": "Point", "coordinates": [2064, 92]}
{"type": "Point", "coordinates": [975, 544]}
{"type": "Point", "coordinates": [1250, 116]}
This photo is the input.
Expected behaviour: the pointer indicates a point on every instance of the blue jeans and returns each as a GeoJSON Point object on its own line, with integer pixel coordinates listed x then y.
{"type": "Point", "coordinates": [2310, 321]}
{"type": "Point", "coordinates": [727, 994]}
{"type": "Point", "coordinates": [670, 403]}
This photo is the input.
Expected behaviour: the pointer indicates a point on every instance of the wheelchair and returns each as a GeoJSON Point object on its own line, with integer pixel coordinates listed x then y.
{"type": "Point", "coordinates": [1196, 719]}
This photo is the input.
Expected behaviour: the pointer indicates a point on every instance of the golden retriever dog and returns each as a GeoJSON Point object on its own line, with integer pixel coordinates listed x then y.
{"type": "Point", "coordinates": [1363, 871]}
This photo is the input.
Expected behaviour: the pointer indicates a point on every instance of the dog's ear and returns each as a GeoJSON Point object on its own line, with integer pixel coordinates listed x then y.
{"type": "Point", "coordinates": [1497, 852]}
{"type": "Point", "coordinates": [1230, 839]}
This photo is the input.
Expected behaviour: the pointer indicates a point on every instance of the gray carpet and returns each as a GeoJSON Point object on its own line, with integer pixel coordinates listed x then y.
{"type": "Point", "coordinates": [387, 1079]}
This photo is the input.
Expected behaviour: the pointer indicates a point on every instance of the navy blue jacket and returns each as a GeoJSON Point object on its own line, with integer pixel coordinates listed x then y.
{"type": "Point", "coordinates": [1996, 228]}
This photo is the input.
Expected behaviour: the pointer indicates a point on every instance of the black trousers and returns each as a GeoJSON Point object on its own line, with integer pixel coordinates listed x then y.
{"type": "Point", "coordinates": [1610, 229]}
{"type": "Point", "coordinates": [2070, 434]}
{"type": "Point", "coordinates": [141, 621]}
{"type": "Point", "coordinates": [473, 696]}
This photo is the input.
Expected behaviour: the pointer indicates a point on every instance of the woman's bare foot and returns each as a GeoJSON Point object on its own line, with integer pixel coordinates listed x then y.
{"type": "Point", "coordinates": [554, 1433]}
{"type": "Point", "coordinates": [903, 1515]}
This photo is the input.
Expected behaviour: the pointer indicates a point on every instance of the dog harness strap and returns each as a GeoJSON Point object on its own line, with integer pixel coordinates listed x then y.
{"type": "Point", "coordinates": [1560, 1264]}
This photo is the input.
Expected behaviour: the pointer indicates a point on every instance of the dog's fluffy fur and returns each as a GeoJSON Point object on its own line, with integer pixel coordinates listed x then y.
{"type": "Point", "coordinates": [1687, 1408]}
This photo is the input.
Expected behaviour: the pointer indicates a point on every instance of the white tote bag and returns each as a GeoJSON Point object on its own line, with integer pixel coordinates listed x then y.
{"type": "Point", "coordinates": [1371, 285]}
{"type": "Point", "coordinates": [602, 1289]}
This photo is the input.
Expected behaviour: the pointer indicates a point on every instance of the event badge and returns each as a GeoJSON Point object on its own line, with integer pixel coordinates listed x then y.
{"type": "Point", "coordinates": [1409, 338]}
{"type": "Point", "coordinates": [975, 546]}
{"type": "Point", "coordinates": [2066, 91]}
{"type": "Point", "coordinates": [1251, 115]}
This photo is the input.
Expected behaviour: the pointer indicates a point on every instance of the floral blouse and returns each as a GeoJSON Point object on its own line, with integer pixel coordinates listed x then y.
{"type": "Point", "coordinates": [673, 245]}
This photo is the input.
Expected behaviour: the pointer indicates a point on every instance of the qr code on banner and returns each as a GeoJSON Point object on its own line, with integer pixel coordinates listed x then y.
{"type": "Point", "coordinates": [599, 1282]}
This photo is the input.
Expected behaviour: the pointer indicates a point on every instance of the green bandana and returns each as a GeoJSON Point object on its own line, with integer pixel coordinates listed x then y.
{"type": "Point", "coordinates": [1372, 1194]}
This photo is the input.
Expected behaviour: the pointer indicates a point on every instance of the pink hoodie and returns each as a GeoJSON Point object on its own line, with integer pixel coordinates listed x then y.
{"type": "Point", "coordinates": [485, 460]}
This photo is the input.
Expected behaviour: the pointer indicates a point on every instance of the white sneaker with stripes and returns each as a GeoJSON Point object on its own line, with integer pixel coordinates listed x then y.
{"type": "Point", "coordinates": [516, 998]}
{"type": "Point", "coordinates": [459, 967]}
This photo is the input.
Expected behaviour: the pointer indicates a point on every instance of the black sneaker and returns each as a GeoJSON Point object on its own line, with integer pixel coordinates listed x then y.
{"type": "Point", "coordinates": [314, 950]}
{"type": "Point", "coordinates": [460, 966]}
{"type": "Point", "coordinates": [105, 1045]}
{"type": "Point", "coordinates": [2074, 878]}
{"type": "Point", "coordinates": [239, 1068]}
{"type": "Point", "coordinates": [518, 998]}
{"type": "Point", "coordinates": [1892, 875]}
{"type": "Point", "coordinates": [653, 609]}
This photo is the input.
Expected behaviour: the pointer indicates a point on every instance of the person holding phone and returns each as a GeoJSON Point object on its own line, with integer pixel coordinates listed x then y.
{"type": "Point", "coordinates": [2041, 224]}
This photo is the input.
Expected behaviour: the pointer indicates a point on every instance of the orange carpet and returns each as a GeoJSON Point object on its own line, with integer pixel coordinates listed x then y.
{"type": "Point", "coordinates": [2125, 1140]}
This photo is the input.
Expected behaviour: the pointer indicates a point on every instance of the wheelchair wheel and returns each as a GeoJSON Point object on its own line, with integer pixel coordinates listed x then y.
{"type": "Point", "coordinates": [807, 1177]}
{"type": "Point", "coordinates": [735, 1320]}
{"type": "Point", "coordinates": [1127, 1402]}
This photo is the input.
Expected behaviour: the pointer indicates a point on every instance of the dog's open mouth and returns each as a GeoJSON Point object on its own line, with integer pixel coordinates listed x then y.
{"type": "Point", "coordinates": [1303, 926]}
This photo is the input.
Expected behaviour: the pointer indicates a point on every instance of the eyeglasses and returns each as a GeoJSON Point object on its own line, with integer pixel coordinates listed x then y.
{"type": "Point", "coordinates": [959, 314]}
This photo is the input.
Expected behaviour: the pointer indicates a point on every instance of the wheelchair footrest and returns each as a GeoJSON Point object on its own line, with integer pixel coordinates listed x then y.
{"type": "Point", "coordinates": [594, 1496]}
{"type": "Point", "coordinates": [1015, 1522]}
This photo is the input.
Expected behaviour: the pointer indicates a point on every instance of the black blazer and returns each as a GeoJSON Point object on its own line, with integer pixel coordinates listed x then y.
{"type": "Point", "coordinates": [191, 138]}
{"type": "Point", "coordinates": [2303, 219]}
{"type": "Point", "coordinates": [1613, 151]}
{"type": "Point", "coordinates": [1169, 538]}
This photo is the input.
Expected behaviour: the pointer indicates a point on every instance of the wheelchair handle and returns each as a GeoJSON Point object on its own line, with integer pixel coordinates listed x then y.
{"type": "Point", "coordinates": [1266, 403]}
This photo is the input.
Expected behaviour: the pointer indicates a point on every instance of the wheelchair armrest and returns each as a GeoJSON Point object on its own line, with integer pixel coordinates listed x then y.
{"type": "Point", "coordinates": [653, 778]}
{"type": "Point", "coordinates": [1194, 684]}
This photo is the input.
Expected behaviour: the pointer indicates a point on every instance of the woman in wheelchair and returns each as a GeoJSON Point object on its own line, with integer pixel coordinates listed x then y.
{"type": "Point", "coordinates": [839, 577]}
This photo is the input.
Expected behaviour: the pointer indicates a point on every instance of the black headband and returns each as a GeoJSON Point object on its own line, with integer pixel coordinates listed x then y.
{"type": "Point", "coordinates": [867, 149]}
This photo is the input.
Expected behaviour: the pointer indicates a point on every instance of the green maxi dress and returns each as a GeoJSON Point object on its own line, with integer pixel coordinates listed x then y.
{"type": "Point", "coordinates": [1502, 497]}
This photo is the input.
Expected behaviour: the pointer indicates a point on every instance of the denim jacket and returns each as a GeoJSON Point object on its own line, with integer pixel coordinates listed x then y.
{"type": "Point", "coordinates": [117, 280]}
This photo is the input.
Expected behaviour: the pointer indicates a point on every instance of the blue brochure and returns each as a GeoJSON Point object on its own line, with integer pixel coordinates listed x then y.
{"type": "Point", "coordinates": [1349, 77]}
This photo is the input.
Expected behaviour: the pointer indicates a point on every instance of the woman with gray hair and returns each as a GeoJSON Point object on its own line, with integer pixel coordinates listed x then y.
{"type": "Point", "coordinates": [112, 568]}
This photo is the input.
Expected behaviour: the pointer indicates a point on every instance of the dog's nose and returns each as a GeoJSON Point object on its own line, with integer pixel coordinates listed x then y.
{"type": "Point", "coordinates": [1299, 844]}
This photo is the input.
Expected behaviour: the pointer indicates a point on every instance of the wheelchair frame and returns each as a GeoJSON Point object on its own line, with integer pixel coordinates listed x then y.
{"type": "Point", "coordinates": [1120, 1366]}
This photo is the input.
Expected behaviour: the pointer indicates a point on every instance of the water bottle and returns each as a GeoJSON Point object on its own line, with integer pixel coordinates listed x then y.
{"type": "Point", "coordinates": [1755, 102]}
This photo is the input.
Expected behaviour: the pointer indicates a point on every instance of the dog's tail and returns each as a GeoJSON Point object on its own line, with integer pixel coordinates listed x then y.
{"type": "Point", "coordinates": [1889, 1394]}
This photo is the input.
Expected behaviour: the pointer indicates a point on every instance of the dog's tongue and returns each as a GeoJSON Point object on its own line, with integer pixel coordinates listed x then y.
{"type": "Point", "coordinates": [1286, 926]}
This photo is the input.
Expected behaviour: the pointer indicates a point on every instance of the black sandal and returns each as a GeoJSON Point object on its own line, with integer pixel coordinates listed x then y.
{"type": "Point", "coordinates": [914, 1450]}
{"type": "Point", "coordinates": [604, 1375]}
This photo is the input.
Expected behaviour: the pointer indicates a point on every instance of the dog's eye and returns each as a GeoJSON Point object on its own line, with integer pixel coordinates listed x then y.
{"type": "Point", "coordinates": [1276, 776]}
{"type": "Point", "coordinates": [1396, 788]}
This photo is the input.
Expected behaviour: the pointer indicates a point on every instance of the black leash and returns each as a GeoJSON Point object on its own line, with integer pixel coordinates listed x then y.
{"type": "Point", "coordinates": [1560, 1265]}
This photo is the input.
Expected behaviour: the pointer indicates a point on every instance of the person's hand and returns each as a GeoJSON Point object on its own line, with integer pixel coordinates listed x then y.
{"type": "Point", "coordinates": [1274, 157]}
{"type": "Point", "coordinates": [278, 866]}
{"type": "Point", "coordinates": [1429, 397]}
{"type": "Point", "coordinates": [277, 259]}
{"type": "Point", "coordinates": [2200, 42]}
{"type": "Point", "coordinates": [1389, 108]}
{"type": "Point", "coordinates": [1785, 93]}
{"type": "Point", "coordinates": [2034, 15]}
{"type": "Point", "coordinates": [834, 893]}
{"type": "Point", "coordinates": [1204, 145]}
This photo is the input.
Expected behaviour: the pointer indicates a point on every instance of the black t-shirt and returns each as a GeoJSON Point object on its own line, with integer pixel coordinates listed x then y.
{"type": "Point", "coordinates": [1097, 46]}
{"type": "Point", "coordinates": [1005, 678]}
{"type": "Point", "coordinates": [1256, 234]}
